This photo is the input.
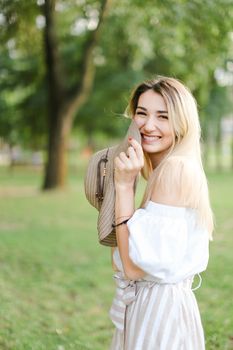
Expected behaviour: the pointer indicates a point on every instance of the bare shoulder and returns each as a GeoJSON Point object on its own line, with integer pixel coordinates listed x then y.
{"type": "Point", "coordinates": [176, 181]}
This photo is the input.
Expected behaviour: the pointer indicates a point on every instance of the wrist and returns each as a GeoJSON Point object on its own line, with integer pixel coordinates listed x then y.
{"type": "Point", "coordinates": [124, 187]}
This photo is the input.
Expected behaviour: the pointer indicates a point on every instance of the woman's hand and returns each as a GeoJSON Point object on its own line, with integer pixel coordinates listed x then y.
{"type": "Point", "coordinates": [128, 165]}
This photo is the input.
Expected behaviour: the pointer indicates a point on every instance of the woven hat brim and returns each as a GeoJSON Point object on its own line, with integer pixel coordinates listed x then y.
{"type": "Point", "coordinates": [106, 218]}
{"type": "Point", "coordinates": [90, 181]}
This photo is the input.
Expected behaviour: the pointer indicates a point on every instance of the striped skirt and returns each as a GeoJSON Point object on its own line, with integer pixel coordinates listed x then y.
{"type": "Point", "coordinates": [152, 316]}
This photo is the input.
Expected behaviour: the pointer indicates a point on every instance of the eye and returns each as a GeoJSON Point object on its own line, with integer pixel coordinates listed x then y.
{"type": "Point", "coordinates": [141, 113]}
{"type": "Point", "coordinates": [163, 116]}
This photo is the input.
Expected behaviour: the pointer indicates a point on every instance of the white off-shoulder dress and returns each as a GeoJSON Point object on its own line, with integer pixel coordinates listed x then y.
{"type": "Point", "coordinates": [160, 312]}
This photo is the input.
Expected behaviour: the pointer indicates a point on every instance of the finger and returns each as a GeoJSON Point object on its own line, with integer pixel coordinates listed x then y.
{"type": "Point", "coordinates": [136, 161]}
{"type": "Point", "coordinates": [137, 147]}
{"type": "Point", "coordinates": [132, 154]}
{"type": "Point", "coordinates": [123, 157]}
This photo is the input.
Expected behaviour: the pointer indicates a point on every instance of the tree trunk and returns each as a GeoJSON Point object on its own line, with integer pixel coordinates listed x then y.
{"type": "Point", "coordinates": [61, 109]}
{"type": "Point", "coordinates": [54, 172]}
{"type": "Point", "coordinates": [56, 165]}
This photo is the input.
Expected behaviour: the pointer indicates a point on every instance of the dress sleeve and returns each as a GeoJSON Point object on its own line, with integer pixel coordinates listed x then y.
{"type": "Point", "coordinates": [160, 243]}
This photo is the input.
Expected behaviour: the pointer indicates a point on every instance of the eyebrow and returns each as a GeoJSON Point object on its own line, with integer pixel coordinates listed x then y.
{"type": "Point", "coordinates": [144, 109]}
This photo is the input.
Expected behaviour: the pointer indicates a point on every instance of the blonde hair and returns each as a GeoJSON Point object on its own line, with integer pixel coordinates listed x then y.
{"type": "Point", "coordinates": [182, 165]}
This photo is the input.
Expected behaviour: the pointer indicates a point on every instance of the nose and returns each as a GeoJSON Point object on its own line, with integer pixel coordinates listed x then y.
{"type": "Point", "coordinates": [150, 124]}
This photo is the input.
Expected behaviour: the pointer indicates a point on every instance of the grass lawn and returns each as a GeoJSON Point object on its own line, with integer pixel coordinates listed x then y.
{"type": "Point", "coordinates": [56, 280]}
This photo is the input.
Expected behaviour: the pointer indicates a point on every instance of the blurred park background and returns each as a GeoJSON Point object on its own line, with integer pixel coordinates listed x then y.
{"type": "Point", "coordinates": [66, 71]}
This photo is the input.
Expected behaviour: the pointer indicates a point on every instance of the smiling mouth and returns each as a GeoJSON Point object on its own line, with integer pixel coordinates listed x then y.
{"type": "Point", "coordinates": [150, 138]}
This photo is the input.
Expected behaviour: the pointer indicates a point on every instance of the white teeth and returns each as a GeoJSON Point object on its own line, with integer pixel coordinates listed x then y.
{"type": "Point", "coordinates": [150, 138]}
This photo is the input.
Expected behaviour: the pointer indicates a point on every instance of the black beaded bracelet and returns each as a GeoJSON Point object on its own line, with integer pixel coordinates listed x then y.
{"type": "Point", "coordinates": [121, 223]}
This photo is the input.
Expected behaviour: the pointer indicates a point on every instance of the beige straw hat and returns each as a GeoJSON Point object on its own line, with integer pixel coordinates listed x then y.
{"type": "Point", "coordinates": [99, 186]}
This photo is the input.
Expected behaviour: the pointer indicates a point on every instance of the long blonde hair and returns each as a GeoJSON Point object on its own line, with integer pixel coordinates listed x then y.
{"type": "Point", "coordinates": [184, 157]}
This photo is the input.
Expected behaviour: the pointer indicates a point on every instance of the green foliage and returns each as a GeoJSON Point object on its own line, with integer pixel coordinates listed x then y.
{"type": "Point", "coordinates": [188, 40]}
{"type": "Point", "coordinates": [23, 98]}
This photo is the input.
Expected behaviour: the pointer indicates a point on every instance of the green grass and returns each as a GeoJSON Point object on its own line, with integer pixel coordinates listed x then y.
{"type": "Point", "coordinates": [56, 280]}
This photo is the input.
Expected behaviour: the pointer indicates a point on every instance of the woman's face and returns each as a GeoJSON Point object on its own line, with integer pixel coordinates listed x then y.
{"type": "Point", "coordinates": [151, 117]}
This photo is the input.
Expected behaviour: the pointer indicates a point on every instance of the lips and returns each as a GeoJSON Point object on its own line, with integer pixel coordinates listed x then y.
{"type": "Point", "coordinates": [150, 138]}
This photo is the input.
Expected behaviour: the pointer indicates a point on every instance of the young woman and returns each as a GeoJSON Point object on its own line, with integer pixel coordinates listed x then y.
{"type": "Point", "coordinates": [162, 245]}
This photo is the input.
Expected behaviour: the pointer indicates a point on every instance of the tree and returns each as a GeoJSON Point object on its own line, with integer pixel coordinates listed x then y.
{"type": "Point", "coordinates": [63, 103]}
{"type": "Point", "coordinates": [184, 39]}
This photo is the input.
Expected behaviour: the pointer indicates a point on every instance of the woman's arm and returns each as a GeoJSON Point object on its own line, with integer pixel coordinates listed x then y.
{"type": "Point", "coordinates": [124, 208]}
{"type": "Point", "coordinates": [127, 168]}
{"type": "Point", "coordinates": [113, 264]}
